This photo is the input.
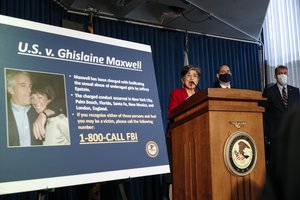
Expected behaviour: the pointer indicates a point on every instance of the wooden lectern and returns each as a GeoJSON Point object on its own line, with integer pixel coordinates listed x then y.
{"type": "Point", "coordinates": [202, 126]}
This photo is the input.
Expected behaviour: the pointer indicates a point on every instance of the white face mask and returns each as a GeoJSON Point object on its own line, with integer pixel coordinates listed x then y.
{"type": "Point", "coordinates": [282, 79]}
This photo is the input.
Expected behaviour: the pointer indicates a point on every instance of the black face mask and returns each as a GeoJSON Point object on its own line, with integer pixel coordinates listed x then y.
{"type": "Point", "coordinates": [225, 77]}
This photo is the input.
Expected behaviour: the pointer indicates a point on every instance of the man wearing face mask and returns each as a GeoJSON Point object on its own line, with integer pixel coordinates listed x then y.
{"type": "Point", "coordinates": [281, 98]}
{"type": "Point", "coordinates": [224, 77]}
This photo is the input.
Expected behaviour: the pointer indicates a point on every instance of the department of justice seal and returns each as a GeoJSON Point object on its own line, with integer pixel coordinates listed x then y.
{"type": "Point", "coordinates": [152, 149]}
{"type": "Point", "coordinates": [240, 153]}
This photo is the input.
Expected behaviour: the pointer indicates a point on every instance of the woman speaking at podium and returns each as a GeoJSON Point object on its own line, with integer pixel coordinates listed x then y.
{"type": "Point", "coordinates": [190, 76]}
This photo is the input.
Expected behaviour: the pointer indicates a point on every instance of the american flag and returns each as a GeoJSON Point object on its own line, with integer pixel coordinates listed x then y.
{"type": "Point", "coordinates": [238, 155]}
{"type": "Point", "coordinates": [91, 25]}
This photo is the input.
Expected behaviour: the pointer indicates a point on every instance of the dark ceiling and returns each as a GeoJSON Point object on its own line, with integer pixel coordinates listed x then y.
{"type": "Point", "coordinates": [237, 19]}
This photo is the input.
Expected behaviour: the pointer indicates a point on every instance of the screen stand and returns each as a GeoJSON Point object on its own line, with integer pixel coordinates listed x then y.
{"type": "Point", "coordinates": [44, 193]}
{"type": "Point", "coordinates": [122, 191]}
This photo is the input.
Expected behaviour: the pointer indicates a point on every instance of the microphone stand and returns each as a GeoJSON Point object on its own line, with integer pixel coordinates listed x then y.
{"type": "Point", "coordinates": [195, 85]}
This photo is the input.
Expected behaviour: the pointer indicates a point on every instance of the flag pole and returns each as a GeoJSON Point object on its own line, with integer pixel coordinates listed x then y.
{"type": "Point", "coordinates": [91, 24]}
{"type": "Point", "coordinates": [186, 49]}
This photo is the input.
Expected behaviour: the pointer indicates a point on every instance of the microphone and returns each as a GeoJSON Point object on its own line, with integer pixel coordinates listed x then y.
{"type": "Point", "coordinates": [195, 85]}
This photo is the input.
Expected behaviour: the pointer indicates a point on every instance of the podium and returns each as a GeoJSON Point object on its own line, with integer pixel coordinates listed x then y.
{"type": "Point", "coordinates": [218, 146]}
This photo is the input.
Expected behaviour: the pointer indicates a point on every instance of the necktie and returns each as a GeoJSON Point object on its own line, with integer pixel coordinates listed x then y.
{"type": "Point", "coordinates": [284, 97]}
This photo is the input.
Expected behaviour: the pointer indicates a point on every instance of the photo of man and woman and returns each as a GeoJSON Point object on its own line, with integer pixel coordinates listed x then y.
{"type": "Point", "coordinates": [36, 109]}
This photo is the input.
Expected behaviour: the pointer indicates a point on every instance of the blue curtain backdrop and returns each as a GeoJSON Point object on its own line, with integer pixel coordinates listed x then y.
{"type": "Point", "coordinates": [209, 53]}
{"type": "Point", "coordinates": [167, 46]}
{"type": "Point", "coordinates": [168, 55]}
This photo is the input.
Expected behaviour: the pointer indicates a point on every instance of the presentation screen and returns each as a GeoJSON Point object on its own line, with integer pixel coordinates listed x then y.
{"type": "Point", "coordinates": [76, 108]}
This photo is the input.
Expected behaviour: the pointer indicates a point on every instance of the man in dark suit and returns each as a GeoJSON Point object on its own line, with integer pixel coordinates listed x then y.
{"type": "Point", "coordinates": [20, 114]}
{"type": "Point", "coordinates": [281, 98]}
{"type": "Point", "coordinates": [224, 77]}
{"type": "Point", "coordinates": [14, 138]}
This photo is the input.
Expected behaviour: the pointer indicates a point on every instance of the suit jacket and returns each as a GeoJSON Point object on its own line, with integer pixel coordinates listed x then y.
{"type": "Point", "coordinates": [217, 85]}
{"type": "Point", "coordinates": [177, 96]}
{"type": "Point", "coordinates": [13, 133]}
{"type": "Point", "coordinates": [275, 109]}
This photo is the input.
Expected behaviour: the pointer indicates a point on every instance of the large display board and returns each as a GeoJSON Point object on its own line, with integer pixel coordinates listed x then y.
{"type": "Point", "coordinates": [112, 127]}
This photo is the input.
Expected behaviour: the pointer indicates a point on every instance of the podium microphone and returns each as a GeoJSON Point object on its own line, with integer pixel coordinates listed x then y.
{"type": "Point", "coordinates": [195, 85]}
